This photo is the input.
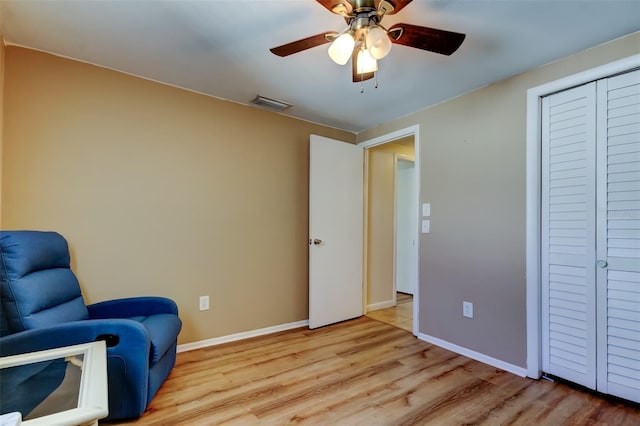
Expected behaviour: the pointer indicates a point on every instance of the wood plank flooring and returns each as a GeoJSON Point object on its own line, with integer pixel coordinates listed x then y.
{"type": "Point", "coordinates": [400, 315]}
{"type": "Point", "coordinates": [362, 372]}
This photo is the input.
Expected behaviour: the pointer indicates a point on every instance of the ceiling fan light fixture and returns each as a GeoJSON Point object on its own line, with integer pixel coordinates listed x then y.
{"type": "Point", "coordinates": [341, 49]}
{"type": "Point", "coordinates": [366, 63]}
{"type": "Point", "coordinates": [378, 42]}
{"type": "Point", "coordinates": [365, 40]}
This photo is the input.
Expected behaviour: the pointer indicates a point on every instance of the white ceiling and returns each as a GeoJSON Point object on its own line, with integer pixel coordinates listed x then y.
{"type": "Point", "coordinates": [221, 47]}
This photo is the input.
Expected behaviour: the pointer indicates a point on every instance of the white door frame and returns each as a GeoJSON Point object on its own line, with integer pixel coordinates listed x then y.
{"type": "Point", "coordinates": [370, 143]}
{"type": "Point", "coordinates": [533, 195]}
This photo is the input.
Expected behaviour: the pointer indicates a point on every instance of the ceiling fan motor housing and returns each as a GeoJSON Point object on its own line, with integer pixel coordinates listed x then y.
{"type": "Point", "coordinates": [359, 25]}
{"type": "Point", "coordinates": [364, 5]}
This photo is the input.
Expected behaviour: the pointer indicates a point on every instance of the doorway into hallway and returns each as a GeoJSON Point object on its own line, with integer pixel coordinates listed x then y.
{"type": "Point", "coordinates": [400, 316]}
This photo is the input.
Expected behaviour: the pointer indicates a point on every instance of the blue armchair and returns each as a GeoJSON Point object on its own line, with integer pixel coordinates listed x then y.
{"type": "Point", "coordinates": [41, 307]}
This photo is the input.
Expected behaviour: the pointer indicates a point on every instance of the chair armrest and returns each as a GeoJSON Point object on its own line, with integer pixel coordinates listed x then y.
{"type": "Point", "coordinates": [133, 337]}
{"type": "Point", "coordinates": [132, 307]}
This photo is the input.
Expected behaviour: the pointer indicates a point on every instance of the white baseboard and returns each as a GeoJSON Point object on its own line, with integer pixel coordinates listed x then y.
{"type": "Point", "coordinates": [518, 371]}
{"type": "Point", "coordinates": [381, 305]}
{"type": "Point", "coordinates": [240, 336]}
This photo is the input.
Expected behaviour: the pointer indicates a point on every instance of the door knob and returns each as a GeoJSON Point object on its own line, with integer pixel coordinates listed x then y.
{"type": "Point", "coordinates": [601, 263]}
{"type": "Point", "coordinates": [317, 242]}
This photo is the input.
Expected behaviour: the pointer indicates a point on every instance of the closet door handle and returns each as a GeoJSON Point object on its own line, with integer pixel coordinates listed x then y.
{"type": "Point", "coordinates": [601, 263]}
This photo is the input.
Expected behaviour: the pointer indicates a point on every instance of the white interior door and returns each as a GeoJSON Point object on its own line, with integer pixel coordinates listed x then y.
{"type": "Point", "coordinates": [618, 251]}
{"type": "Point", "coordinates": [336, 190]}
{"type": "Point", "coordinates": [406, 221]}
{"type": "Point", "coordinates": [590, 257]}
{"type": "Point", "coordinates": [569, 235]}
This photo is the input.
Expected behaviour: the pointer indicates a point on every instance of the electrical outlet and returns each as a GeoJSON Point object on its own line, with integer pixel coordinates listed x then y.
{"type": "Point", "coordinates": [204, 303]}
{"type": "Point", "coordinates": [467, 309]}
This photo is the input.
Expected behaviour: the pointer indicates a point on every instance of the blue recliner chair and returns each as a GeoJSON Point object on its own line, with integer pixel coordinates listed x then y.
{"type": "Point", "coordinates": [41, 307]}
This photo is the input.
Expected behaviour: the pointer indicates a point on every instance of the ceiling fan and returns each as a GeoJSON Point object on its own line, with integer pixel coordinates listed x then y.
{"type": "Point", "coordinates": [365, 40]}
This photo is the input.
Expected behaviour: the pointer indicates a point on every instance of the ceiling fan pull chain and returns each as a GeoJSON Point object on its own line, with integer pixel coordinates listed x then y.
{"type": "Point", "coordinates": [376, 85]}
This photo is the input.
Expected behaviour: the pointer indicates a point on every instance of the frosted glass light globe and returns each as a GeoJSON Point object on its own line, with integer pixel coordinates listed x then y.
{"type": "Point", "coordinates": [378, 42]}
{"type": "Point", "coordinates": [341, 49]}
{"type": "Point", "coordinates": [366, 63]}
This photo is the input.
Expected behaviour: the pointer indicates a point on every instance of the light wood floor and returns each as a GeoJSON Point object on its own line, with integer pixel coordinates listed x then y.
{"type": "Point", "coordinates": [400, 315]}
{"type": "Point", "coordinates": [362, 372]}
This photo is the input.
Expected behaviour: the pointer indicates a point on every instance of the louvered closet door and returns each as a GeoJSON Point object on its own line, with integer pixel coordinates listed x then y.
{"type": "Point", "coordinates": [618, 222]}
{"type": "Point", "coordinates": [568, 235]}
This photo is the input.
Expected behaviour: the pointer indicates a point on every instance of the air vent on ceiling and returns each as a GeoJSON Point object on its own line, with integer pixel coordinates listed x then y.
{"type": "Point", "coordinates": [272, 104]}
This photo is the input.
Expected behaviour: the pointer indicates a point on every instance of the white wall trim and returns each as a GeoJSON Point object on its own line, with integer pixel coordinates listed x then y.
{"type": "Point", "coordinates": [511, 368]}
{"type": "Point", "coordinates": [380, 140]}
{"type": "Point", "coordinates": [381, 305]}
{"type": "Point", "coordinates": [533, 176]}
{"type": "Point", "coordinates": [241, 336]}
{"type": "Point", "coordinates": [398, 134]}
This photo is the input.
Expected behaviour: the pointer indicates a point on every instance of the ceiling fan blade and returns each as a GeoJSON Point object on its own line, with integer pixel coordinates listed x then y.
{"type": "Point", "coordinates": [304, 44]}
{"type": "Point", "coordinates": [340, 7]}
{"type": "Point", "coordinates": [357, 78]}
{"type": "Point", "coordinates": [398, 5]}
{"type": "Point", "coordinates": [431, 39]}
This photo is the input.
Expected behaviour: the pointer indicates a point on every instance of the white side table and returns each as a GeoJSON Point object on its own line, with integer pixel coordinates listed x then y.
{"type": "Point", "coordinates": [90, 396]}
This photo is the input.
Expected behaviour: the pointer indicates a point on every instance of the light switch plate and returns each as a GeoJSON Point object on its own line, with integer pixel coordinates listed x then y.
{"type": "Point", "coordinates": [204, 303]}
{"type": "Point", "coordinates": [426, 226]}
{"type": "Point", "coordinates": [426, 209]}
{"type": "Point", "coordinates": [467, 309]}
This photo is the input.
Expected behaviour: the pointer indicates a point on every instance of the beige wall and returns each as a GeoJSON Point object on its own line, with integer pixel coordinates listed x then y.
{"type": "Point", "coordinates": [380, 219]}
{"type": "Point", "coordinates": [473, 173]}
{"type": "Point", "coordinates": [161, 191]}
